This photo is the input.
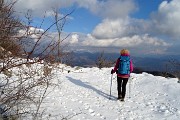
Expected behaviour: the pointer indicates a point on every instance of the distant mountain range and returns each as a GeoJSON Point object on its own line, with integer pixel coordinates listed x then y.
{"type": "Point", "coordinates": [160, 63]}
{"type": "Point", "coordinates": [156, 65]}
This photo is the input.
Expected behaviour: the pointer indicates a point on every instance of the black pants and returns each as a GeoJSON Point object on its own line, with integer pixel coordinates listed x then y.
{"type": "Point", "coordinates": [121, 86]}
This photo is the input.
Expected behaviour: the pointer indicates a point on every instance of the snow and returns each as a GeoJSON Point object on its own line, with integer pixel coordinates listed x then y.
{"type": "Point", "coordinates": [83, 94]}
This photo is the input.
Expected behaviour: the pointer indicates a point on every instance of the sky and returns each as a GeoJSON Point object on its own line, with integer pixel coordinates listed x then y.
{"type": "Point", "coordinates": [145, 27]}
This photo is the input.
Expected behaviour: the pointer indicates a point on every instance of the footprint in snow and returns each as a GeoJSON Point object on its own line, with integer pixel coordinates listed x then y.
{"type": "Point", "coordinates": [102, 117]}
{"type": "Point", "coordinates": [91, 112]}
{"type": "Point", "coordinates": [166, 109]}
{"type": "Point", "coordinates": [86, 106]}
{"type": "Point", "coordinates": [80, 101]}
{"type": "Point", "coordinates": [98, 115]}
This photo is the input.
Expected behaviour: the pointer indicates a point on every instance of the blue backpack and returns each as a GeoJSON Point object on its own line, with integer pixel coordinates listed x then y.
{"type": "Point", "coordinates": [124, 65]}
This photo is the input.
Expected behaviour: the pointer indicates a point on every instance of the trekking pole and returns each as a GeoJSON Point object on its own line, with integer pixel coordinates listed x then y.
{"type": "Point", "coordinates": [110, 87]}
{"type": "Point", "coordinates": [130, 88]}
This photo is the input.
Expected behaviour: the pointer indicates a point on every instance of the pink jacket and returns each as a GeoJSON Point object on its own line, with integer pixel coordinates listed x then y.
{"type": "Point", "coordinates": [117, 64]}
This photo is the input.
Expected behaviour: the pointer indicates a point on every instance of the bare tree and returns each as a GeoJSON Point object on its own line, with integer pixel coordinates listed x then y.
{"type": "Point", "coordinates": [102, 61]}
{"type": "Point", "coordinates": [60, 46]}
{"type": "Point", "coordinates": [9, 26]}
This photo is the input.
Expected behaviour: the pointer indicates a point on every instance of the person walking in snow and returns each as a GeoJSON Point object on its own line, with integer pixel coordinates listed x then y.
{"type": "Point", "coordinates": [123, 68]}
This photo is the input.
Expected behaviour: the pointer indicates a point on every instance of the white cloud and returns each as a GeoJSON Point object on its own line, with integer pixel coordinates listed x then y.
{"type": "Point", "coordinates": [74, 39]}
{"type": "Point", "coordinates": [144, 43]}
{"type": "Point", "coordinates": [133, 41]}
{"type": "Point", "coordinates": [113, 28]}
{"type": "Point", "coordinates": [110, 28]}
{"type": "Point", "coordinates": [138, 44]}
{"type": "Point", "coordinates": [129, 32]}
{"type": "Point", "coordinates": [120, 9]}
{"type": "Point", "coordinates": [165, 23]}
{"type": "Point", "coordinates": [39, 7]}
{"type": "Point", "coordinates": [167, 19]}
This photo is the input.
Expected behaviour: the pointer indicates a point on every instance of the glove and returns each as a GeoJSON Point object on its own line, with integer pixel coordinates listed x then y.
{"type": "Point", "coordinates": [112, 71]}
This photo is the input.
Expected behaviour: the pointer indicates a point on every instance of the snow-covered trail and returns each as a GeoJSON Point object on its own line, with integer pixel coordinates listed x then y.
{"type": "Point", "coordinates": [84, 95]}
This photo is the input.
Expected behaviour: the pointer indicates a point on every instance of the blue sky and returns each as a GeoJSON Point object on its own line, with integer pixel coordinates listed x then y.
{"type": "Point", "coordinates": [145, 27]}
{"type": "Point", "coordinates": [145, 8]}
{"type": "Point", "coordinates": [84, 21]}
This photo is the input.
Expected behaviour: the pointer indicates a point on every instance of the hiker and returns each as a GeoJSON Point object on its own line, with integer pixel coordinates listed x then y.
{"type": "Point", "coordinates": [123, 68]}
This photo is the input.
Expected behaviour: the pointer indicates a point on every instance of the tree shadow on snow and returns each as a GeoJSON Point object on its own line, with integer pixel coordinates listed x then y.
{"type": "Point", "coordinates": [83, 84]}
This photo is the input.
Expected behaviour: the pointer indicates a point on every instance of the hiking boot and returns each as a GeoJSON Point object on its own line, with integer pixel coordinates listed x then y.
{"type": "Point", "coordinates": [122, 99]}
{"type": "Point", "coordinates": [119, 97]}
